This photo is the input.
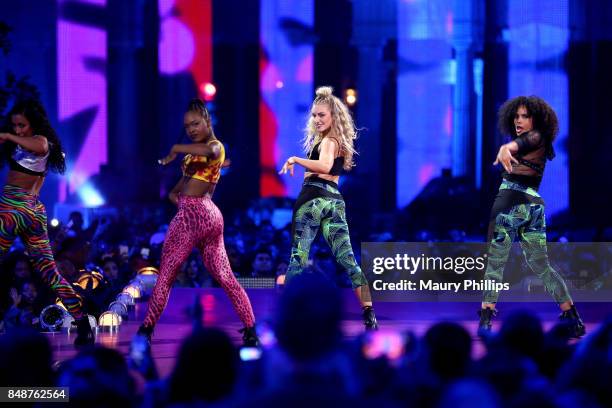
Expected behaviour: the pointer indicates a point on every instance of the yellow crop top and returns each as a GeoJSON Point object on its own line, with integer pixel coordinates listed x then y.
{"type": "Point", "coordinates": [201, 168]}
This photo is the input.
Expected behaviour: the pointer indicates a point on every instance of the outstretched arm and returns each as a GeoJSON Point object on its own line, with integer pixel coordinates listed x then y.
{"type": "Point", "coordinates": [323, 165]}
{"type": "Point", "coordinates": [505, 156]}
{"type": "Point", "coordinates": [199, 149]}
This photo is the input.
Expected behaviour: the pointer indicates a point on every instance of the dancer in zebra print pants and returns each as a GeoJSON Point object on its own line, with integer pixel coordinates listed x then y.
{"type": "Point", "coordinates": [31, 149]}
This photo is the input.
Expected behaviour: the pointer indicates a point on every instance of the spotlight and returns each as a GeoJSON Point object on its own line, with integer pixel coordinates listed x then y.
{"type": "Point", "coordinates": [93, 323]}
{"type": "Point", "coordinates": [350, 96]}
{"type": "Point", "coordinates": [67, 324]}
{"type": "Point", "coordinates": [109, 321]}
{"type": "Point", "coordinates": [209, 91]}
{"type": "Point", "coordinates": [249, 353]}
{"type": "Point", "coordinates": [92, 287]}
{"type": "Point", "coordinates": [58, 302]}
{"type": "Point", "coordinates": [147, 277]}
{"type": "Point", "coordinates": [126, 299]}
{"type": "Point", "coordinates": [119, 308]}
{"type": "Point", "coordinates": [54, 222]}
{"type": "Point", "coordinates": [89, 280]}
{"type": "Point", "coordinates": [52, 318]}
{"type": "Point", "coordinates": [148, 270]}
{"type": "Point", "coordinates": [134, 289]}
{"type": "Point", "coordinates": [279, 84]}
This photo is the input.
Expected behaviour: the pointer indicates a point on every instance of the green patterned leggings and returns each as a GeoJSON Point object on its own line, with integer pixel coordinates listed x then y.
{"type": "Point", "coordinates": [526, 221]}
{"type": "Point", "coordinates": [328, 214]}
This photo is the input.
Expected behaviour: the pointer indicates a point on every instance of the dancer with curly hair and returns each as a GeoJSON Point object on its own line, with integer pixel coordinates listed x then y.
{"type": "Point", "coordinates": [31, 150]}
{"type": "Point", "coordinates": [330, 133]}
{"type": "Point", "coordinates": [198, 223]}
{"type": "Point", "coordinates": [518, 209]}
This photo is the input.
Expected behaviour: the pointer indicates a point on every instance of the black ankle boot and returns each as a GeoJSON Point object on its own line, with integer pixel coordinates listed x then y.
{"type": "Point", "coordinates": [146, 332]}
{"type": "Point", "coordinates": [369, 318]}
{"type": "Point", "coordinates": [249, 337]}
{"type": "Point", "coordinates": [85, 335]}
{"type": "Point", "coordinates": [484, 325]}
{"type": "Point", "coordinates": [572, 321]}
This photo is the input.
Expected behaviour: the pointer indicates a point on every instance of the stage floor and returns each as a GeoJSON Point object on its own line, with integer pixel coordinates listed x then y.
{"type": "Point", "coordinates": [417, 317]}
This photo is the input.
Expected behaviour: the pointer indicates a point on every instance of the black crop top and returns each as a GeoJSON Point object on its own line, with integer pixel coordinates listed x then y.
{"type": "Point", "coordinates": [532, 154]}
{"type": "Point", "coordinates": [338, 161]}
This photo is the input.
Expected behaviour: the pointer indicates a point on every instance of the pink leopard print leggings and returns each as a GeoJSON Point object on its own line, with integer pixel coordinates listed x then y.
{"type": "Point", "coordinates": [198, 223]}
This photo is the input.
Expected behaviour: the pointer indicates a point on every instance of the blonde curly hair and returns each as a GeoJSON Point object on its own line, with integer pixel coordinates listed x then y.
{"type": "Point", "coordinates": [343, 127]}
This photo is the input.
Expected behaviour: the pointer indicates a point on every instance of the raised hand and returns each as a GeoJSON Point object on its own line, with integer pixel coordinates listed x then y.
{"type": "Point", "coordinates": [15, 296]}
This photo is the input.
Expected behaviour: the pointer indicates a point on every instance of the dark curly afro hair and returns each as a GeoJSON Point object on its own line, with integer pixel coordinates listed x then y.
{"type": "Point", "coordinates": [544, 119]}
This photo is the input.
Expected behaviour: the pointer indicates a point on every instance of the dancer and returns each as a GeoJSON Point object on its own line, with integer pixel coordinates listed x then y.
{"type": "Point", "coordinates": [198, 223]}
{"type": "Point", "coordinates": [32, 150]}
{"type": "Point", "coordinates": [518, 208]}
{"type": "Point", "coordinates": [330, 133]}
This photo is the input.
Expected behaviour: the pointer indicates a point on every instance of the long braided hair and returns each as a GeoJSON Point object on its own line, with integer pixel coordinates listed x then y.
{"type": "Point", "coordinates": [35, 113]}
{"type": "Point", "coordinates": [343, 126]}
{"type": "Point", "coordinates": [197, 105]}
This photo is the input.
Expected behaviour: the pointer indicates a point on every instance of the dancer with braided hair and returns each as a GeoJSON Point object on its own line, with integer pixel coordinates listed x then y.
{"type": "Point", "coordinates": [31, 150]}
{"type": "Point", "coordinates": [198, 223]}
{"type": "Point", "coordinates": [330, 133]}
{"type": "Point", "coordinates": [518, 209]}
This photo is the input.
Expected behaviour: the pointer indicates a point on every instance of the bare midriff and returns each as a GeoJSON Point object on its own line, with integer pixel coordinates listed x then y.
{"type": "Point", "coordinates": [28, 182]}
{"type": "Point", "coordinates": [327, 177]}
{"type": "Point", "coordinates": [196, 188]}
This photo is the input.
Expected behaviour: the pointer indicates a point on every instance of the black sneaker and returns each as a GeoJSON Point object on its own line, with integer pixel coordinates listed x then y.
{"type": "Point", "coordinates": [573, 323]}
{"type": "Point", "coordinates": [146, 332]}
{"type": "Point", "coordinates": [85, 335]}
{"type": "Point", "coordinates": [369, 318]}
{"type": "Point", "coordinates": [249, 337]}
{"type": "Point", "coordinates": [484, 325]}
